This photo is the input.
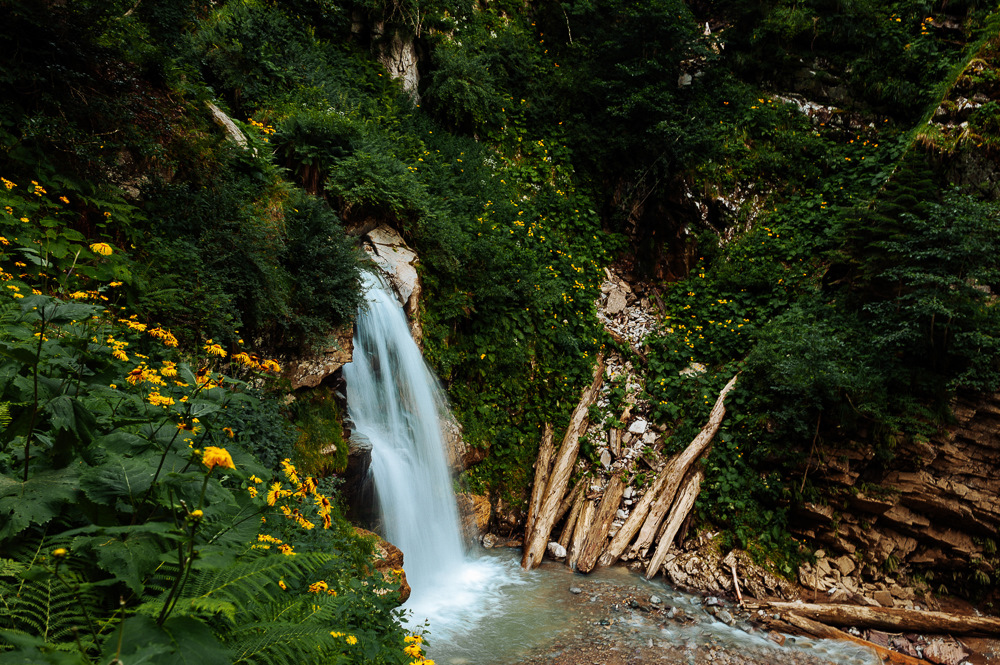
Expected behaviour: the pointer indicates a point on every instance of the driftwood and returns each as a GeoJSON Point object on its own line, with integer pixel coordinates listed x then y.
{"type": "Point", "coordinates": [543, 466]}
{"type": "Point", "coordinates": [598, 535]}
{"type": "Point", "coordinates": [580, 533]}
{"type": "Point", "coordinates": [678, 513]}
{"type": "Point", "coordinates": [615, 441]}
{"type": "Point", "coordinates": [822, 631]}
{"type": "Point", "coordinates": [675, 472]}
{"type": "Point", "coordinates": [570, 499]}
{"type": "Point", "coordinates": [665, 485]}
{"type": "Point", "coordinates": [574, 515]}
{"type": "Point", "coordinates": [555, 487]}
{"type": "Point", "coordinates": [892, 619]}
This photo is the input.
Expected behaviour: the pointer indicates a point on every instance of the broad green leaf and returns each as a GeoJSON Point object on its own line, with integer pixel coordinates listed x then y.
{"type": "Point", "coordinates": [118, 478]}
{"type": "Point", "coordinates": [36, 501]}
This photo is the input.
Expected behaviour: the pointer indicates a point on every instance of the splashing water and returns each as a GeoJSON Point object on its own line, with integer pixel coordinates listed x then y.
{"type": "Point", "coordinates": [397, 404]}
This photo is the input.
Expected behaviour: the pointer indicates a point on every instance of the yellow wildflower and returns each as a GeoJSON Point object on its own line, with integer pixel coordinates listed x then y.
{"type": "Point", "coordinates": [215, 456]}
{"type": "Point", "coordinates": [350, 639]}
{"type": "Point", "coordinates": [156, 399]}
{"type": "Point", "coordinates": [102, 248]}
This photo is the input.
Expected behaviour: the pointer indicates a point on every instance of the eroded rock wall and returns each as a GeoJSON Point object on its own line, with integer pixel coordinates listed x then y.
{"type": "Point", "coordinates": [936, 505]}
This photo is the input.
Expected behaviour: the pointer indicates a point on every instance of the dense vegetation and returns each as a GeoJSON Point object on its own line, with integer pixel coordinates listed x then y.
{"type": "Point", "coordinates": [151, 265]}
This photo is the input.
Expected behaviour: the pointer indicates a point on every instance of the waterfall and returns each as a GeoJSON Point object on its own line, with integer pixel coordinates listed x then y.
{"type": "Point", "coordinates": [397, 404]}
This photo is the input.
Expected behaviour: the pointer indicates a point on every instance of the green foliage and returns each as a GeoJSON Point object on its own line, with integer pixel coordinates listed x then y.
{"type": "Point", "coordinates": [132, 514]}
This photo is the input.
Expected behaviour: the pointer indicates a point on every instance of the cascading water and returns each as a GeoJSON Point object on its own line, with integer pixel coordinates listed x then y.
{"type": "Point", "coordinates": [397, 405]}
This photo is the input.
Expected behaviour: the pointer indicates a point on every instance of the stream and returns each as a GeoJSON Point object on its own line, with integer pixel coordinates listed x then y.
{"type": "Point", "coordinates": [480, 607]}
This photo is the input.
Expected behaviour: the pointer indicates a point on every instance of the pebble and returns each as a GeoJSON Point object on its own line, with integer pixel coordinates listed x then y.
{"type": "Point", "coordinates": [575, 590]}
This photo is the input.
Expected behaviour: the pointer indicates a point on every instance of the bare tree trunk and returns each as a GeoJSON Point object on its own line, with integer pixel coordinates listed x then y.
{"type": "Point", "coordinates": [665, 485]}
{"type": "Point", "coordinates": [580, 533]}
{"type": "Point", "coordinates": [682, 506]}
{"type": "Point", "coordinates": [893, 619]}
{"type": "Point", "coordinates": [570, 499]}
{"type": "Point", "coordinates": [542, 468]}
{"type": "Point", "coordinates": [555, 488]}
{"type": "Point", "coordinates": [574, 515]}
{"type": "Point", "coordinates": [825, 632]}
{"type": "Point", "coordinates": [598, 536]}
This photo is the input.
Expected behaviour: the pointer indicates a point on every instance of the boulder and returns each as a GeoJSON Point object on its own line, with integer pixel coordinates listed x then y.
{"type": "Point", "coordinates": [388, 562]}
{"type": "Point", "coordinates": [475, 512]}
{"type": "Point", "coordinates": [308, 371]}
{"type": "Point", "coordinates": [945, 653]}
{"type": "Point", "coordinates": [391, 253]}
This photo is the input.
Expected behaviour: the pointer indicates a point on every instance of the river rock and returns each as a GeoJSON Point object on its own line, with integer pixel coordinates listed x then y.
{"type": "Point", "coordinates": [556, 551]}
{"type": "Point", "coordinates": [616, 302]}
{"type": "Point", "coordinates": [945, 653]}
{"type": "Point", "coordinates": [638, 426]}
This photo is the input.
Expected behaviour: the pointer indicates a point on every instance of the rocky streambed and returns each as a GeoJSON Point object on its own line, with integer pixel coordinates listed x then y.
{"type": "Point", "coordinates": [616, 623]}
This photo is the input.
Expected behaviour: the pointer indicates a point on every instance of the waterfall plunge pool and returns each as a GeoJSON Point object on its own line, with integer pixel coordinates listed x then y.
{"type": "Point", "coordinates": [491, 612]}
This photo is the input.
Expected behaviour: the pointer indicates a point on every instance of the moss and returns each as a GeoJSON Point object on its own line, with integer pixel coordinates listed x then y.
{"type": "Point", "coordinates": [320, 449]}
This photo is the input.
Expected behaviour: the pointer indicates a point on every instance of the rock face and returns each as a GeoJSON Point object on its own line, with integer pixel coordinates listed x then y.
{"type": "Point", "coordinates": [475, 512]}
{"type": "Point", "coordinates": [399, 263]}
{"type": "Point", "coordinates": [399, 56]}
{"type": "Point", "coordinates": [937, 503]}
{"type": "Point", "coordinates": [388, 562]}
{"type": "Point", "coordinates": [233, 133]}
{"type": "Point", "coordinates": [310, 370]}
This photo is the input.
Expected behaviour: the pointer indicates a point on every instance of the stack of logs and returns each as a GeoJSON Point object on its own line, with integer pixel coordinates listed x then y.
{"type": "Point", "coordinates": [658, 516]}
{"type": "Point", "coordinates": [655, 519]}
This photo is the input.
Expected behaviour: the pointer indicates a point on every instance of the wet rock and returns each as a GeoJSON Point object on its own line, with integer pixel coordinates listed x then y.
{"type": "Point", "coordinates": [575, 590]}
{"type": "Point", "coordinates": [725, 617]}
{"type": "Point", "coordinates": [655, 600]}
{"type": "Point", "coordinates": [308, 371]}
{"type": "Point", "coordinates": [556, 551]}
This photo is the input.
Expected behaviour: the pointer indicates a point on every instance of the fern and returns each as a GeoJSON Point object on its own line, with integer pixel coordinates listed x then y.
{"type": "Point", "coordinates": [42, 605]}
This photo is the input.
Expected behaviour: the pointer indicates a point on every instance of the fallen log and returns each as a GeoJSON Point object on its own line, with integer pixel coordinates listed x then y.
{"type": "Point", "coordinates": [543, 465]}
{"type": "Point", "coordinates": [580, 533]}
{"type": "Point", "coordinates": [675, 472]}
{"type": "Point", "coordinates": [555, 487]}
{"type": "Point", "coordinates": [574, 515]}
{"type": "Point", "coordinates": [682, 506]}
{"type": "Point", "coordinates": [570, 499]}
{"type": "Point", "coordinates": [598, 535]}
{"type": "Point", "coordinates": [892, 619]}
{"type": "Point", "coordinates": [662, 485]}
{"type": "Point", "coordinates": [822, 631]}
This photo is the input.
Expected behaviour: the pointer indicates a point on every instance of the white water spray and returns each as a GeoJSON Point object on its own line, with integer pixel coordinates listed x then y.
{"type": "Point", "coordinates": [396, 403]}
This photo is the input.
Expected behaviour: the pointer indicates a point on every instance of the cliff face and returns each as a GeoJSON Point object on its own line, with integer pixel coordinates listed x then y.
{"type": "Point", "coordinates": [935, 506]}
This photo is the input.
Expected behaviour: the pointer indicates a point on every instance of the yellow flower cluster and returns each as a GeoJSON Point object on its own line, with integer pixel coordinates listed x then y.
{"type": "Point", "coordinates": [350, 639]}
{"type": "Point", "coordinates": [156, 399]}
{"type": "Point", "coordinates": [215, 456]}
{"type": "Point", "coordinates": [414, 650]}
{"type": "Point", "coordinates": [164, 336]}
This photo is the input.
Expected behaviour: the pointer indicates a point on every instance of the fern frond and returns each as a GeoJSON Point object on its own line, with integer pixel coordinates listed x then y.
{"type": "Point", "coordinates": [255, 580]}
{"type": "Point", "coordinates": [284, 643]}
{"type": "Point", "coordinates": [46, 608]}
